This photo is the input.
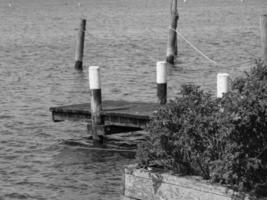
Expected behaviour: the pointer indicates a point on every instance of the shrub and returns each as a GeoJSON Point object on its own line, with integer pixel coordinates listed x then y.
{"type": "Point", "coordinates": [224, 140]}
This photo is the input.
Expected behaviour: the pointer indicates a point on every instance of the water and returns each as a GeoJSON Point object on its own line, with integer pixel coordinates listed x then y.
{"type": "Point", "coordinates": [125, 38]}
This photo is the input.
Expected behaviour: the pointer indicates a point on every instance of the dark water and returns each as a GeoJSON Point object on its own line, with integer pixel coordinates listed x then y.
{"type": "Point", "coordinates": [125, 38]}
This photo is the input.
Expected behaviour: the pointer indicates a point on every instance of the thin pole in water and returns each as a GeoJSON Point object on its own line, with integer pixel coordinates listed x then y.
{"type": "Point", "coordinates": [80, 46]}
{"type": "Point", "coordinates": [172, 39]}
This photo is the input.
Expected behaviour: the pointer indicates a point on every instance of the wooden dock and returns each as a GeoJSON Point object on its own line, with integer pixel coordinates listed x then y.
{"type": "Point", "coordinates": [109, 117]}
{"type": "Point", "coordinates": [118, 116]}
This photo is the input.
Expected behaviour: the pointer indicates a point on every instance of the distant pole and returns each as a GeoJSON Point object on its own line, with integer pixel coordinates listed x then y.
{"type": "Point", "coordinates": [263, 22]}
{"type": "Point", "coordinates": [222, 84]}
{"type": "Point", "coordinates": [80, 46]}
{"type": "Point", "coordinates": [162, 82]}
{"type": "Point", "coordinates": [96, 101]}
{"type": "Point", "coordinates": [172, 39]}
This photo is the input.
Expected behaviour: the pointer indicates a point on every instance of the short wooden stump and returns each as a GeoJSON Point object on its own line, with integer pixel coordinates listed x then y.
{"type": "Point", "coordinates": [145, 184]}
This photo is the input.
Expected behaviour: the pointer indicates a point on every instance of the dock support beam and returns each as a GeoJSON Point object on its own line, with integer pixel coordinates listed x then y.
{"type": "Point", "coordinates": [222, 84]}
{"type": "Point", "coordinates": [80, 46]}
{"type": "Point", "coordinates": [263, 24]}
{"type": "Point", "coordinates": [172, 39]}
{"type": "Point", "coordinates": [96, 104]}
{"type": "Point", "coordinates": [162, 82]}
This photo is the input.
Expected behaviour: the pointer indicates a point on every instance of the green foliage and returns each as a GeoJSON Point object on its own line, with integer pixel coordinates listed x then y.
{"type": "Point", "coordinates": [224, 140]}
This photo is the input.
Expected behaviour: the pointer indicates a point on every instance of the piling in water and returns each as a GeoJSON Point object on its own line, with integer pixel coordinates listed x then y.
{"type": "Point", "coordinates": [263, 24]}
{"type": "Point", "coordinates": [162, 82]}
{"type": "Point", "coordinates": [80, 46]}
{"type": "Point", "coordinates": [96, 103]}
{"type": "Point", "coordinates": [172, 39]}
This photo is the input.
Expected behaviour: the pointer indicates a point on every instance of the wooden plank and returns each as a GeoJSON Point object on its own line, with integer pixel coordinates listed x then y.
{"type": "Point", "coordinates": [129, 109]}
{"type": "Point", "coordinates": [147, 185]}
{"type": "Point", "coordinates": [74, 109]}
{"type": "Point", "coordinates": [61, 116]}
{"type": "Point", "coordinates": [135, 114]}
{"type": "Point", "coordinates": [125, 121]}
{"type": "Point", "coordinates": [113, 108]}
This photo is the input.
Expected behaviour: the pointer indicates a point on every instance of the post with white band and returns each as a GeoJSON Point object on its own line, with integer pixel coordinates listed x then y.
{"type": "Point", "coordinates": [80, 46]}
{"type": "Point", "coordinates": [96, 102]}
{"type": "Point", "coordinates": [222, 84]}
{"type": "Point", "coordinates": [162, 82]}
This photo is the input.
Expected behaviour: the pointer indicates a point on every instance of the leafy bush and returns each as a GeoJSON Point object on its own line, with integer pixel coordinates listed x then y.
{"type": "Point", "coordinates": [224, 140]}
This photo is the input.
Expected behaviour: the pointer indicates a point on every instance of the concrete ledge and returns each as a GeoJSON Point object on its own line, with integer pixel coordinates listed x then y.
{"type": "Point", "coordinates": [143, 184]}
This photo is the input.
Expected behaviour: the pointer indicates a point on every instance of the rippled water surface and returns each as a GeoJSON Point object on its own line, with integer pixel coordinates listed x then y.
{"type": "Point", "coordinates": [125, 38]}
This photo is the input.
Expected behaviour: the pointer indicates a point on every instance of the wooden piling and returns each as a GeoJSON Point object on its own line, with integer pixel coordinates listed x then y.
{"type": "Point", "coordinates": [222, 84]}
{"type": "Point", "coordinates": [172, 39]}
{"type": "Point", "coordinates": [162, 82]}
{"type": "Point", "coordinates": [96, 103]}
{"type": "Point", "coordinates": [80, 46]}
{"type": "Point", "coordinates": [263, 23]}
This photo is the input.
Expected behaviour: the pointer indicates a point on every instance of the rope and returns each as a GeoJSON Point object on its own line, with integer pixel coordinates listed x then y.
{"type": "Point", "coordinates": [194, 47]}
{"type": "Point", "coordinates": [205, 56]}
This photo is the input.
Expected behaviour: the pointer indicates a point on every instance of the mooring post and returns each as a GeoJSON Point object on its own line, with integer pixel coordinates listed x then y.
{"type": "Point", "coordinates": [172, 39]}
{"type": "Point", "coordinates": [222, 84]}
{"type": "Point", "coordinates": [80, 46]}
{"type": "Point", "coordinates": [162, 82]}
{"type": "Point", "coordinates": [263, 22]}
{"type": "Point", "coordinates": [96, 103]}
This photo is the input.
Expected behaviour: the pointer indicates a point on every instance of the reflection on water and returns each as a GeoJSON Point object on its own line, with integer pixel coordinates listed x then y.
{"type": "Point", "coordinates": [40, 159]}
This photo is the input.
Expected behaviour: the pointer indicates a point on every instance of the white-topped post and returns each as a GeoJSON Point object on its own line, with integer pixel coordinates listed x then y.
{"type": "Point", "coordinates": [96, 102]}
{"type": "Point", "coordinates": [162, 82]}
{"type": "Point", "coordinates": [94, 78]}
{"type": "Point", "coordinates": [222, 84]}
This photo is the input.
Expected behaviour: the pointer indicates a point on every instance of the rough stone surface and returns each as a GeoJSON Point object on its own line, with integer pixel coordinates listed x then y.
{"type": "Point", "coordinates": [147, 185]}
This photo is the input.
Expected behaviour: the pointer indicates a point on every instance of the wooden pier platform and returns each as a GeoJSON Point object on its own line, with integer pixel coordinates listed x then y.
{"type": "Point", "coordinates": [119, 116]}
